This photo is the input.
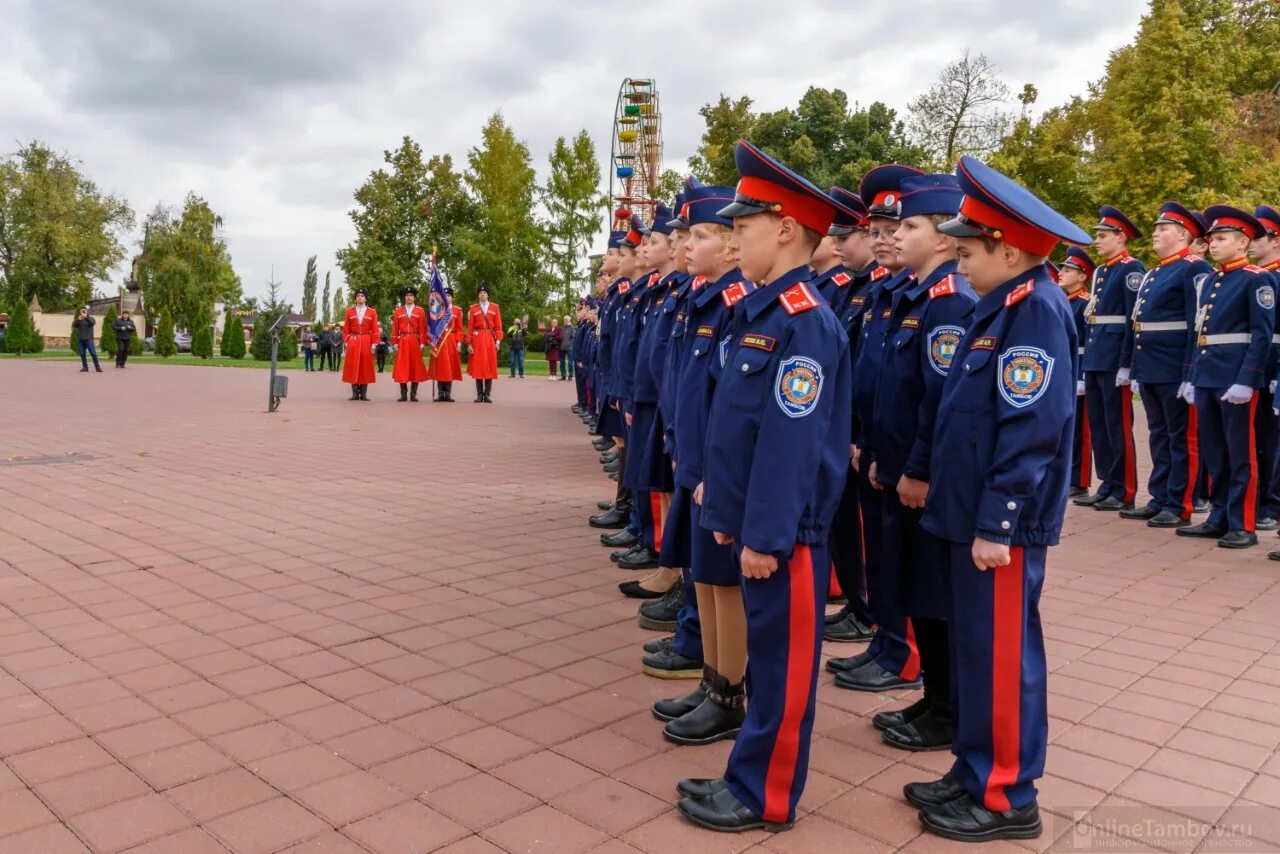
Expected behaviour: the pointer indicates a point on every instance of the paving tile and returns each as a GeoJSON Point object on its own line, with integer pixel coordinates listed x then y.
{"type": "Point", "coordinates": [128, 823]}
{"type": "Point", "coordinates": [219, 794]}
{"type": "Point", "coordinates": [374, 745]}
{"type": "Point", "coordinates": [610, 806]}
{"type": "Point", "coordinates": [544, 829]}
{"type": "Point", "coordinates": [424, 771]}
{"type": "Point", "coordinates": [174, 766]}
{"type": "Point", "coordinates": [21, 810]}
{"type": "Point", "coordinates": [266, 827]}
{"type": "Point", "coordinates": [479, 801]}
{"type": "Point", "coordinates": [409, 826]}
{"type": "Point", "coordinates": [304, 766]}
{"type": "Point", "coordinates": [545, 775]}
{"type": "Point", "coordinates": [60, 760]}
{"type": "Point", "coordinates": [46, 839]}
{"type": "Point", "coordinates": [91, 790]}
{"type": "Point", "coordinates": [350, 797]}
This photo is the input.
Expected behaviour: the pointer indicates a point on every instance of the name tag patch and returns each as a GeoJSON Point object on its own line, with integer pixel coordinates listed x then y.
{"type": "Point", "coordinates": [986, 342]}
{"type": "Point", "coordinates": [707, 331]}
{"type": "Point", "coordinates": [911, 323]}
{"type": "Point", "coordinates": [760, 342]}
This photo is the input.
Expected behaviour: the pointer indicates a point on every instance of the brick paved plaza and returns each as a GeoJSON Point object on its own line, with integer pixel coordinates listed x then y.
{"type": "Point", "coordinates": [221, 630]}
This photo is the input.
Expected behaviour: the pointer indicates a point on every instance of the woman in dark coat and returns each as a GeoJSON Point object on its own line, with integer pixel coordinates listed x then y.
{"type": "Point", "coordinates": [552, 342]}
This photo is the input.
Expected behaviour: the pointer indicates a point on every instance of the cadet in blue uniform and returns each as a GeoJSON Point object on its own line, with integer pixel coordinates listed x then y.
{"type": "Point", "coordinates": [1074, 278]}
{"type": "Point", "coordinates": [1233, 351]}
{"type": "Point", "coordinates": [928, 319]}
{"type": "Point", "coordinates": [1157, 354]}
{"type": "Point", "coordinates": [776, 456]}
{"type": "Point", "coordinates": [1110, 402]}
{"type": "Point", "coordinates": [1267, 425]}
{"type": "Point", "coordinates": [891, 660]}
{"type": "Point", "coordinates": [1004, 432]}
{"type": "Point", "coordinates": [1266, 253]}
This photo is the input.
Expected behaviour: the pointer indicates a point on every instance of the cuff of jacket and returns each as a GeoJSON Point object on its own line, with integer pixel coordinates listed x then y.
{"type": "Point", "coordinates": [998, 539]}
{"type": "Point", "coordinates": [998, 514]}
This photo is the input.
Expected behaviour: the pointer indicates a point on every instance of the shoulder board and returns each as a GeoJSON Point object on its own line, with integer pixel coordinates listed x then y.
{"type": "Point", "coordinates": [698, 282]}
{"type": "Point", "coordinates": [1019, 293]}
{"type": "Point", "coordinates": [653, 279]}
{"type": "Point", "coordinates": [624, 287]}
{"type": "Point", "coordinates": [879, 273]}
{"type": "Point", "coordinates": [842, 279]}
{"type": "Point", "coordinates": [1254, 268]}
{"type": "Point", "coordinates": [944, 288]}
{"type": "Point", "coordinates": [733, 293]}
{"type": "Point", "coordinates": [798, 298]}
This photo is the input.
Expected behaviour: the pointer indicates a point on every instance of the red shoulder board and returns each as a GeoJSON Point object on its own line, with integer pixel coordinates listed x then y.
{"type": "Point", "coordinates": [798, 298]}
{"type": "Point", "coordinates": [1254, 268]}
{"type": "Point", "coordinates": [879, 273]}
{"type": "Point", "coordinates": [1019, 293]}
{"type": "Point", "coordinates": [944, 288]}
{"type": "Point", "coordinates": [842, 279]}
{"type": "Point", "coordinates": [733, 293]}
{"type": "Point", "coordinates": [624, 287]}
{"type": "Point", "coordinates": [698, 282]}
{"type": "Point", "coordinates": [653, 280]}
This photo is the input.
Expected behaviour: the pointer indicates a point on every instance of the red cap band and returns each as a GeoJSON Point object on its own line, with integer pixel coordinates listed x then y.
{"type": "Point", "coordinates": [1011, 231]}
{"type": "Point", "coordinates": [1118, 225]}
{"type": "Point", "coordinates": [1186, 222]}
{"type": "Point", "coordinates": [812, 213]}
{"type": "Point", "coordinates": [1269, 224]}
{"type": "Point", "coordinates": [1231, 222]}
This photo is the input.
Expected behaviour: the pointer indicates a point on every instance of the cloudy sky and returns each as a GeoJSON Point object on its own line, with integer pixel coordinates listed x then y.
{"type": "Point", "coordinates": [276, 110]}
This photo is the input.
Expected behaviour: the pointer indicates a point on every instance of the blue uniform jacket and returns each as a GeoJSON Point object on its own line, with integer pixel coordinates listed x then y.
{"type": "Point", "coordinates": [1003, 437]}
{"type": "Point", "coordinates": [626, 339]}
{"type": "Point", "coordinates": [777, 446]}
{"type": "Point", "coordinates": [929, 319]}
{"type": "Point", "coordinates": [699, 342]}
{"type": "Point", "coordinates": [605, 335]}
{"type": "Point", "coordinates": [675, 308]}
{"type": "Point", "coordinates": [1234, 327]}
{"type": "Point", "coordinates": [655, 333]}
{"type": "Point", "coordinates": [834, 285]}
{"type": "Point", "coordinates": [584, 346]}
{"type": "Point", "coordinates": [1079, 302]}
{"type": "Point", "coordinates": [1159, 343]}
{"type": "Point", "coordinates": [1115, 291]}
{"type": "Point", "coordinates": [869, 350]}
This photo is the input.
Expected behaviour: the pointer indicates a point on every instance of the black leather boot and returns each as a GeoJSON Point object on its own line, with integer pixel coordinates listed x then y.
{"type": "Point", "coordinates": [641, 558]}
{"type": "Point", "coordinates": [721, 811]}
{"type": "Point", "coordinates": [355, 393]}
{"type": "Point", "coordinates": [479, 392]}
{"type": "Point", "coordinates": [448, 392]}
{"type": "Point", "coordinates": [488, 391]}
{"type": "Point", "coordinates": [404, 392]}
{"type": "Point", "coordinates": [623, 538]}
{"type": "Point", "coordinates": [716, 718]}
{"type": "Point", "coordinates": [669, 710]}
{"type": "Point", "coordinates": [660, 615]}
{"type": "Point", "coordinates": [413, 393]}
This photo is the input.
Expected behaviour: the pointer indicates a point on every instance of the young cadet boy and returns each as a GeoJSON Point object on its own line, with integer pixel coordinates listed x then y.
{"type": "Point", "coordinates": [1110, 402]}
{"type": "Point", "coordinates": [1003, 447]}
{"type": "Point", "coordinates": [928, 319]}
{"type": "Point", "coordinates": [776, 456]}
{"type": "Point", "coordinates": [1234, 326]}
{"type": "Point", "coordinates": [715, 709]}
{"type": "Point", "coordinates": [1266, 254]}
{"type": "Point", "coordinates": [1157, 353]}
{"type": "Point", "coordinates": [891, 660]}
{"type": "Point", "coordinates": [1073, 278]}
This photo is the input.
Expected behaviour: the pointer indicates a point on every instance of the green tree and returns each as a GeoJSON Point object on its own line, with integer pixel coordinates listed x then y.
{"type": "Point", "coordinates": [309, 280]}
{"type": "Point", "coordinates": [1051, 154]}
{"type": "Point", "coordinates": [962, 113]}
{"type": "Point", "coordinates": [21, 333]}
{"type": "Point", "coordinates": [232, 344]}
{"type": "Point", "coordinates": [107, 341]}
{"type": "Point", "coordinates": [505, 247]}
{"type": "Point", "coordinates": [727, 121]}
{"type": "Point", "coordinates": [670, 182]}
{"type": "Point", "coordinates": [165, 346]}
{"type": "Point", "coordinates": [185, 265]}
{"type": "Point", "coordinates": [202, 341]}
{"type": "Point", "coordinates": [59, 234]}
{"type": "Point", "coordinates": [260, 346]}
{"type": "Point", "coordinates": [325, 303]}
{"type": "Point", "coordinates": [339, 305]}
{"type": "Point", "coordinates": [288, 349]}
{"type": "Point", "coordinates": [572, 198]}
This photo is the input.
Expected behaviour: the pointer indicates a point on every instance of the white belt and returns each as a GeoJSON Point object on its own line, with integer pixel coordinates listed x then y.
{"type": "Point", "coordinates": [1275, 339]}
{"type": "Point", "coordinates": [1225, 338]}
{"type": "Point", "coordinates": [1160, 326]}
{"type": "Point", "coordinates": [1108, 319]}
{"type": "Point", "coordinates": [1079, 351]}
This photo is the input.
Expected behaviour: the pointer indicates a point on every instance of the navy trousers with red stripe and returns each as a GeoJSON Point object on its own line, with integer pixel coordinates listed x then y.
{"type": "Point", "coordinates": [1111, 428]}
{"type": "Point", "coordinates": [769, 762]}
{"type": "Point", "coordinates": [1268, 433]}
{"type": "Point", "coordinates": [893, 645]}
{"type": "Point", "coordinates": [648, 511]}
{"type": "Point", "coordinates": [1081, 447]}
{"type": "Point", "coordinates": [1228, 441]}
{"type": "Point", "coordinates": [1172, 425]}
{"type": "Point", "coordinates": [999, 678]}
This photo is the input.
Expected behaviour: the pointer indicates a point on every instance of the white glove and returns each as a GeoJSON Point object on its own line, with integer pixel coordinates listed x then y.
{"type": "Point", "coordinates": [1079, 388]}
{"type": "Point", "coordinates": [1133, 387]}
{"type": "Point", "coordinates": [1187, 392]}
{"type": "Point", "coordinates": [1122, 377]}
{"type": "Point", "coordinates": [1238, 394]}
{"type": "Point", "coordinates": [1272, 388]}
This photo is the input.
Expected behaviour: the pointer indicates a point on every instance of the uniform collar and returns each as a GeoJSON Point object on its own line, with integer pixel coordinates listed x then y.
{"type": "Point", "coordinates": [1081, 292]}
{"type": "Point", "coordinates": [946, 268]}
{"type": "Point", "coordinates": [820, 278]}
{"type": "Point", "coordinates": [712, 290]}
{"type": "Point", "coordinates": [866, 271]}
{"type": "Point", "coordinates": [1234, 265]}
{"type": "Point", "coordinates": [1177, 256]}
{"type": "Point", "coordinates": [1119, 258]}
{"type": "Point", "coordinates": [993, 302]}
{"type": "Point", "coordinates": [756, 302]}
{"type": "Point", "coordinates": [1273, 266]}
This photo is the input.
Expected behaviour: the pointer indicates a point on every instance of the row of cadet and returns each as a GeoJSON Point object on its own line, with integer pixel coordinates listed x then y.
{"type": "Point", "coordinates": [361, 336]}
{"type": "Point", "coordinates": [1196, 343]}
{"type": "Point", "coordinates": [863, 397]}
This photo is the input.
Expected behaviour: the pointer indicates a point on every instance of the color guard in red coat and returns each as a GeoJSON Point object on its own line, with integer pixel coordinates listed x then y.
{"type": "Point", "coordinates": [409, 334]}
{"type": "Point", "coordinates": [360, 333]}
{"type": "Point", "coordinates": [446, 358]}
{"type": "Point", "coordinates": [484, 331]}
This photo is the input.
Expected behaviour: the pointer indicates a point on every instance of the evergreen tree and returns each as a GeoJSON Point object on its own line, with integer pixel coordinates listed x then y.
{"type": "Point", "coordinates": [202, 341]}
{"type": "Point", "coordinates": [21, 333]}
{"type": "Point", "coordinates": [165, 346]}
{"type": "Point", "coordinates": [572, 197]}
{"type": "Point", "coordinates": [107, 341]}
{"type": "Point", "coordinates": [339, 306]}
{"type": "Point", "coordinates": [260, 347]}
{"type": "Point", "coordinates": [288, 350]}
{"type": "Point", "coordinates": [326, 305]}
{"type": "Point", "coordinates": [232, 345]}
{"type": "Point", "coordinates": [309, 289]}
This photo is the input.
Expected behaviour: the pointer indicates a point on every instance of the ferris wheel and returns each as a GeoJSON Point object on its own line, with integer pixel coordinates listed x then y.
{"type": "Point", "coordinates": [636, 152]}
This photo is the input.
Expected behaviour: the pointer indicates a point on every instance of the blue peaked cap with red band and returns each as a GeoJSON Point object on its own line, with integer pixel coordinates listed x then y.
{"type": "Point", "coordinates": [617, 239]}
{"type": "Point", "coordinates": [851, 212]}
{"type": "Point", "coordinates": [1112, 219]}
{"type": "Point", "coordinates": [766, 186]}
{"type": "Point", "coordinates": [996, 206]}
{"type": "Point", "coordinates": [1175, 214]}
{"type": "Point", "coordinates": [929, 195]}
{"type": "Point", "coordinates": [881, 189]}
{"type": "Point", "coordinates": [704, 203]}
{"type": "Point", "coordinates": [661, 219]}
{"type": "Point", "coordinates": [1225, 217]}
{"type": "Point", "coordinates": [1268, 217]}
{"type": "Point", "coordinates": [1078, 258]}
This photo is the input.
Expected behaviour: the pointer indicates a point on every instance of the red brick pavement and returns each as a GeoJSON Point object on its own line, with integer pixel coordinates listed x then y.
{"type": "Point", "coordinates": [385, 627]}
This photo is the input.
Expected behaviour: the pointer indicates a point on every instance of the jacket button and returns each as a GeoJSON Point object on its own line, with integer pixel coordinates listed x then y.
{"type": "Point", "coordinates": [1005, 526]}
{"type": "Point", "coordinates": [697, 352]}
{"type": "Point", "coordinates": [745, 367]}
{"type": "Point", "coordinates": [1012, 505]}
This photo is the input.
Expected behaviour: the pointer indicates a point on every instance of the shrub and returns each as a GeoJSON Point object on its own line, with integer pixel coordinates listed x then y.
{"type": "Point", "coordinates": [107, 342]}
{"type": "Point", "coordinates": [232, 345]}
{"type": "Point", "coordinates": [22, 336]}
{"type": "Point", "coordinates": [164, 335]}
{"type": "Point", "coordinates": [202, 341]}
{"type": "Point", "coordinates": [260, 347]}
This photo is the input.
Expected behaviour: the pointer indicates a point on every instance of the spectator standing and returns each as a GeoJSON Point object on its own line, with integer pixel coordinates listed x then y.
{"type": "Point", "coordinates": [124, 330]}
{"type": "Point", "coordinates": [567, 331]}
{"type": "Point", "coordinates": [381, 350]}
{"type": "Point", "coordinates": [552, 341]}
{"type": "Point", "coordinates": [309, 348]}
{"type": "Point", "coordinates": [336, 346]}
{"type": "Point", "coordinates": [515, 342]}
{"type": "Point", "coordinates": [83, 325]}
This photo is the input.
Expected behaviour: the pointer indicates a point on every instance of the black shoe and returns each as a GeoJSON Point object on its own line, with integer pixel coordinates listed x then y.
{"type": "Point", "coordinates": [1204, 529]}
{"type": "Point", "coordinates": [608, 457]}
{"type": "Point", "coordinates": [619, 539]}
{"type": "Point", "coordinates": [928, 732]}
{"type": "Point", "coordinates": [659, 644]}
{"type": "Point", "coordinates": [671, 665]}
{"type": "Point", "coordinates": [355, 395]}
{"type": "Point", "coordinates": [700, 787]}
{"type": "Point", "coordinates": [1088, 500]}
{"type": "Point", "coordinates": [1238, 540]}
{"type": "Point", "coordinates": [1077, 491]}
{"type": "Point", "coordinates": [716, 718]}
{"type": "Point", "coordinates": [1147, 512]}
{"type": "Point", "coordinates": [98, 368]}
{"type": "Point", "coordinates": [641, 558]}
{"type": "Point", "coordinates": [612, 518]}
{"type": "Point", "coordinates": [604, 505]}
{"type": "Point", "coordinates": [1274, 554]}
{"type": "Point", "coordinates": [834, 617]}
{"type": "Point", "coordinates": [669, 710]}
{"type": "Point", "coordinates": [413, 393]}
{"type": "Point", "coordinates": [848, 630]}
{"type": "Point", "coordinates": [723, 812]}
{"type": "Point", "coordinates": [853, 662]}
{"type": "Point", "coordinates": [619, 555]}
{"type": "Point", "coordinates": [660, 616]}
{"type": "Point", "coordinates": [1267, 523]}
{"type": "Point", "coordinates": [602, 444]}
{"type": "Point", "coordinates": [633, 590]}
{"type": "Point", "coordinates": [935, 794]}
{"type": "Point", "coordinates": [1111, 503]}
{"type": "Point", "coordinates": [888, 720]}
{"type": "Point", "coordinates": [611, 468]}
{"type": "Point", "coordinates": [1200, 506]}
{"type": "Point", "coordinates": [1165, 519]}
{"type": "Point", "coordinates": [872, 677]}
{"type": "Point", "coordinates": [966, 820]}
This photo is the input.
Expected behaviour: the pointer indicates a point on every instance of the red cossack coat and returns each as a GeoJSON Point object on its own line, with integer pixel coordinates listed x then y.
{"type": "Point", "coordinates": [360, 337]}
{"type": "Point", "coordinates": [409, 334]}
{"type": "Point", "coordinates": [484, 331]}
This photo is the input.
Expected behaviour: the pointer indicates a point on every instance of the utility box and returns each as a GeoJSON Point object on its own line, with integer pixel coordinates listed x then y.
{"type": "Point", "coordinates": [280, 386]}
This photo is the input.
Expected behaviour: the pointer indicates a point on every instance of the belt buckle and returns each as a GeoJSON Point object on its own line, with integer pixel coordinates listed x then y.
{"type": "Point", "coordinates": [1203, 340]}
{"type": "Point", "coordinates": [1137, 326]}
{"type": "Point", "coordinates": [1093, 319]}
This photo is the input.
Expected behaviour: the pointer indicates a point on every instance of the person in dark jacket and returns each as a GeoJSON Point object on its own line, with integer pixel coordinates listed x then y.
{"type": "Point", "coordinates": [83, 327]}
{"type": "Point", "coordinates": [124, 330]}
{"type": "Point", "coordinates": [551, 340]}
{"type": "Point", "coordinates": [381, 351]}
{"type": "Point", "coordinates": [336, 346]}
{"type": "Point", "coordinates": [322, 346]}
{"type": "Point", "coordinates": [515, 345]}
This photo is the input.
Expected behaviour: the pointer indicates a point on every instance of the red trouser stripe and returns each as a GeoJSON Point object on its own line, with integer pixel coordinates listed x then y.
{"type": "Point", "coordinates": [911, 667]}
{"type": "Point", "coordinates": [1126, 445]}
{"type": "Point", "coordinates": [1251, 490]}
{"type": "Point", "coordinates": [833, 586]}
{"type": "Point", "coordinates": [1084, 477]}
{"type": "Point", "coordinates": [655, 504]}
{"type": "Point", "coordinates": [1006, 681]}
{"type": "Point", "coordinates": [1193, 461]}
{"type": "Point", "coordinates": [799, 680]}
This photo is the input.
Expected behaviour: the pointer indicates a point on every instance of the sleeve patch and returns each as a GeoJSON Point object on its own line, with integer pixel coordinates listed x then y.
{"type": "Point", "coordinates": [879, 273]}
{"type": "Point", "coordinates": [944, 341]}
{"type": "Point", "coordinates": [623, 287]}
{"type": "Point", "coordinates": [1266, 296]}
{"type": "Point", "coordinates": [760, 342]}
{"type": "Point", "coordinates": [1024, 375]}
{"type": "Point", "coordinates": [986, 342]}
{"type": "Point", "coordinates": [798, 298]}
{"type": "Point", "coordinates": [799, 386]}
{"type": "Point", "coordinates": [1133, 281]}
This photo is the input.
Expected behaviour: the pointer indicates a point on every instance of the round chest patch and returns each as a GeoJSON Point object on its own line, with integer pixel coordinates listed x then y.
{"type": "Point", "coordinates": [1266, 297]}
{"type": "Point", "coordinates": [799, 385]}
{"type": "Point", "coordinates": [1133, 281]}
{"type": "Point", "coordinates": [1024, 375]}
{"type": "Point", "coordinates": [943, 343]}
